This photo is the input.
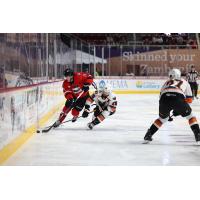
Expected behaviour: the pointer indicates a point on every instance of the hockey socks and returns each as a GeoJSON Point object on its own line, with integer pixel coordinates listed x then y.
{"type": "Point", "coordinates": [153, 129]}
{"type": "Point", "coordinates": [194, 126]}
{"type": "Point", "coordinates": [196, 131]}
{"type": "Point", "coordinates": [150, 132]}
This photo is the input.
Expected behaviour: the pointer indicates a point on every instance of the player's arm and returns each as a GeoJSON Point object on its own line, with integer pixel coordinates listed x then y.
{"type": "Point", "coordinates": [88, 103]}
{"type": "Point", "coordinates": [188, 93]}
{"type": "Point", "coordinates": [90, 99]}
{"type": "Point", "coordinates": [67, 91]}
{"type": "Point", "coordinates": [68, 95]}
{"type": "Point", "coordinates": [163, 86]}
{"type": "Point", "coordinates": [87, 81]}
{"type": "Point", "coordinates": [112, 105]}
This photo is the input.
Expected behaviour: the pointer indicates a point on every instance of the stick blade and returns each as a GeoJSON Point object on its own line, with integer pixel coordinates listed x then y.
{"type": "Point", "coordinates": [47, 130]}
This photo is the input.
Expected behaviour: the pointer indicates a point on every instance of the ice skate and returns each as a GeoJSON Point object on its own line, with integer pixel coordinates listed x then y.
{"type": "Point", "coordinates": [147, 137]}
{"type": "Point", "coordinates": [198, 143]}
{"type": "Point", "coordinates": [90, 125]}
{"type": "Point", "coordinates": [74, 118]}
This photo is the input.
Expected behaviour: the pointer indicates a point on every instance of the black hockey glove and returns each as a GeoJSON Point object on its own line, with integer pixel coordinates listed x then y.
{"type": "Point", "coordinates": [85, 87]}
{"type": "Point", "coordinates": [69, 103]}
{"type": "Point", "coordinates": [85, 114]}
{"type": "Point", "coordinates": [86, 111]}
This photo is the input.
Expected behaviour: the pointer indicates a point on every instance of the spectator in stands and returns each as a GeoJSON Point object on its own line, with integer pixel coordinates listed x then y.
{"type": "Point", "coordinates": [23, 80]}
{"type": "Point", "coordinates": [170, 39]}
{"type": "Point", "coordinates": [179, 40]}
{"type": "Point", "coordinates": [130, 74]}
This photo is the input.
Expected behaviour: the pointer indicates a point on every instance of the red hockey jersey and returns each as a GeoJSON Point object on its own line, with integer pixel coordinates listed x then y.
{"type": "Point", "coordinates": [73, 89]}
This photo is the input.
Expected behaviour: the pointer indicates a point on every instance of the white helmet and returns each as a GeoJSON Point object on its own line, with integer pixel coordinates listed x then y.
{"type": "Point", "coordinates": [105, 89]}
{"type": "Point", "coordinates": [175, 74]}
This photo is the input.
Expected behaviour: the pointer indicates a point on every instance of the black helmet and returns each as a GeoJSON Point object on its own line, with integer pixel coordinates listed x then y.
{"type": "Point", "coordinates": [68, 72]}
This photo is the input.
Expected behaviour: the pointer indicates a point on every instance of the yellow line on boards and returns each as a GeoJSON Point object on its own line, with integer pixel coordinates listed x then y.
{"type": "Point", "coordinates": [136, 92]}
{"type": "Point", "coordinates": [14, 145]}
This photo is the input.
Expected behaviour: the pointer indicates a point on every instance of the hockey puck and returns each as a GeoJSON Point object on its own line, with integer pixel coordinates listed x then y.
{"type": "Point", "coordinates": [38, 131]}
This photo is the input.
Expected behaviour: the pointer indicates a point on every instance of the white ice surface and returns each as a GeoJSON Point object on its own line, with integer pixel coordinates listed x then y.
{"type": "Point", "coordinates": [117, 141]}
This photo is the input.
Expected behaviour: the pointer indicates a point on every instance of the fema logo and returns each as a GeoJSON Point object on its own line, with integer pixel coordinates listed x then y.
{"type": "Point", "coordinates": [102, 84]}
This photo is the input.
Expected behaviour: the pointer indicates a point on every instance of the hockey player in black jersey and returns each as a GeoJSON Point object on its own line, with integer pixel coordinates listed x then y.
{"type": "Point", "coordinates": [175, 95]}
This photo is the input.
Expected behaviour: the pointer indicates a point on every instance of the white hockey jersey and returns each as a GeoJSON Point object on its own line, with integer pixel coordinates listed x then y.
{"type": "Point", "coordinates": [108, 103]}
{"type": "Point", "coordinates": [177, 86]}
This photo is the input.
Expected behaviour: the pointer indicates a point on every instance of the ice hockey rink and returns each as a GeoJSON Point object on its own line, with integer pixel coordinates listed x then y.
{"type": "Point", "coordinates": [117, 141]}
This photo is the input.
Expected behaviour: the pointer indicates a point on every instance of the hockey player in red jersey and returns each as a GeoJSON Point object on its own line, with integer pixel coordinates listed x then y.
{"type": "Point", "coordinates": [175, 95]}
{"type": "Point", "coordinates": [76, 91]}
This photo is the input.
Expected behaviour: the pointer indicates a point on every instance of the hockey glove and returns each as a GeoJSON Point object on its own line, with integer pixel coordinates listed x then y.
{"type": "Point", "coordinates": [85, 87]}
{"type": "Point", "coordinates": [86, 111]}
{"type": "Point", "coordinates": [85, 114]}
{"type": "Point", "coordinates": [69, 103]}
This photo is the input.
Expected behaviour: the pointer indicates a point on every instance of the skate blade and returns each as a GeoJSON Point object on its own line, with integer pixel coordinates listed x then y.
{"type": "Point", "coordinates": [146, 142]}
{"type": "Point", "coordinates": [198, 143]}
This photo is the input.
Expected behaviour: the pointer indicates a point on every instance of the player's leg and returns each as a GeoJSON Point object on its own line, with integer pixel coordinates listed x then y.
{"type": "Point", "coordinates": [98, 117]}
{"type": "Point", "coordinates": [192, 120]}
{"type": "Point", "coordinates": [186, 111]}
{"type": "Point", "coordinates": [79, 105]}
{"type": "Point", "coordinates": [164, 111]}
{"type": "Point", "coordinates": [66, 109]}
{"type": "Point", "coordinates": [88, 103]}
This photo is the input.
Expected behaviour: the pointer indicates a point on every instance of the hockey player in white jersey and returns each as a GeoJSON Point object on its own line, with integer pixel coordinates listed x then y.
{"type": "Point", "coordinates": [175, 95]}
{"type": "Point", "coordinates": [106, 104]}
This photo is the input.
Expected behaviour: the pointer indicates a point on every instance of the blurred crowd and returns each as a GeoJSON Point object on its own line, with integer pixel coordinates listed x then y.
{"type": "Point", "coordinates": [103, 38]}
{"type": "Point", "coordinates": [184, 40]}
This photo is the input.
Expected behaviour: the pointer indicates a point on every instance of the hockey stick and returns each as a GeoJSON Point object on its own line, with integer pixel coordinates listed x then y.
{"type": "Point", "coordinates": [94, 85]}
{"type": "Point", "coordinates": [48, 128]}
{"type": "Point", "coordinates": [77, 118]}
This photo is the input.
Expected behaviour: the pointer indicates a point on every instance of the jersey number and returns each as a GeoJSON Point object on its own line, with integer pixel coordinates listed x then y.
{"type": "Point", "coordinates": [171, 83]}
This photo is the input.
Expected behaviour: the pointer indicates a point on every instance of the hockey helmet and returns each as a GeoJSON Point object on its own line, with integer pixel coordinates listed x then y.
{"type": "Point", "coordinates": [68, 72]}
{"type": "Point", "coordinates": [175, 74]}
{"type": "Point", "coordinates": [105, 89]}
